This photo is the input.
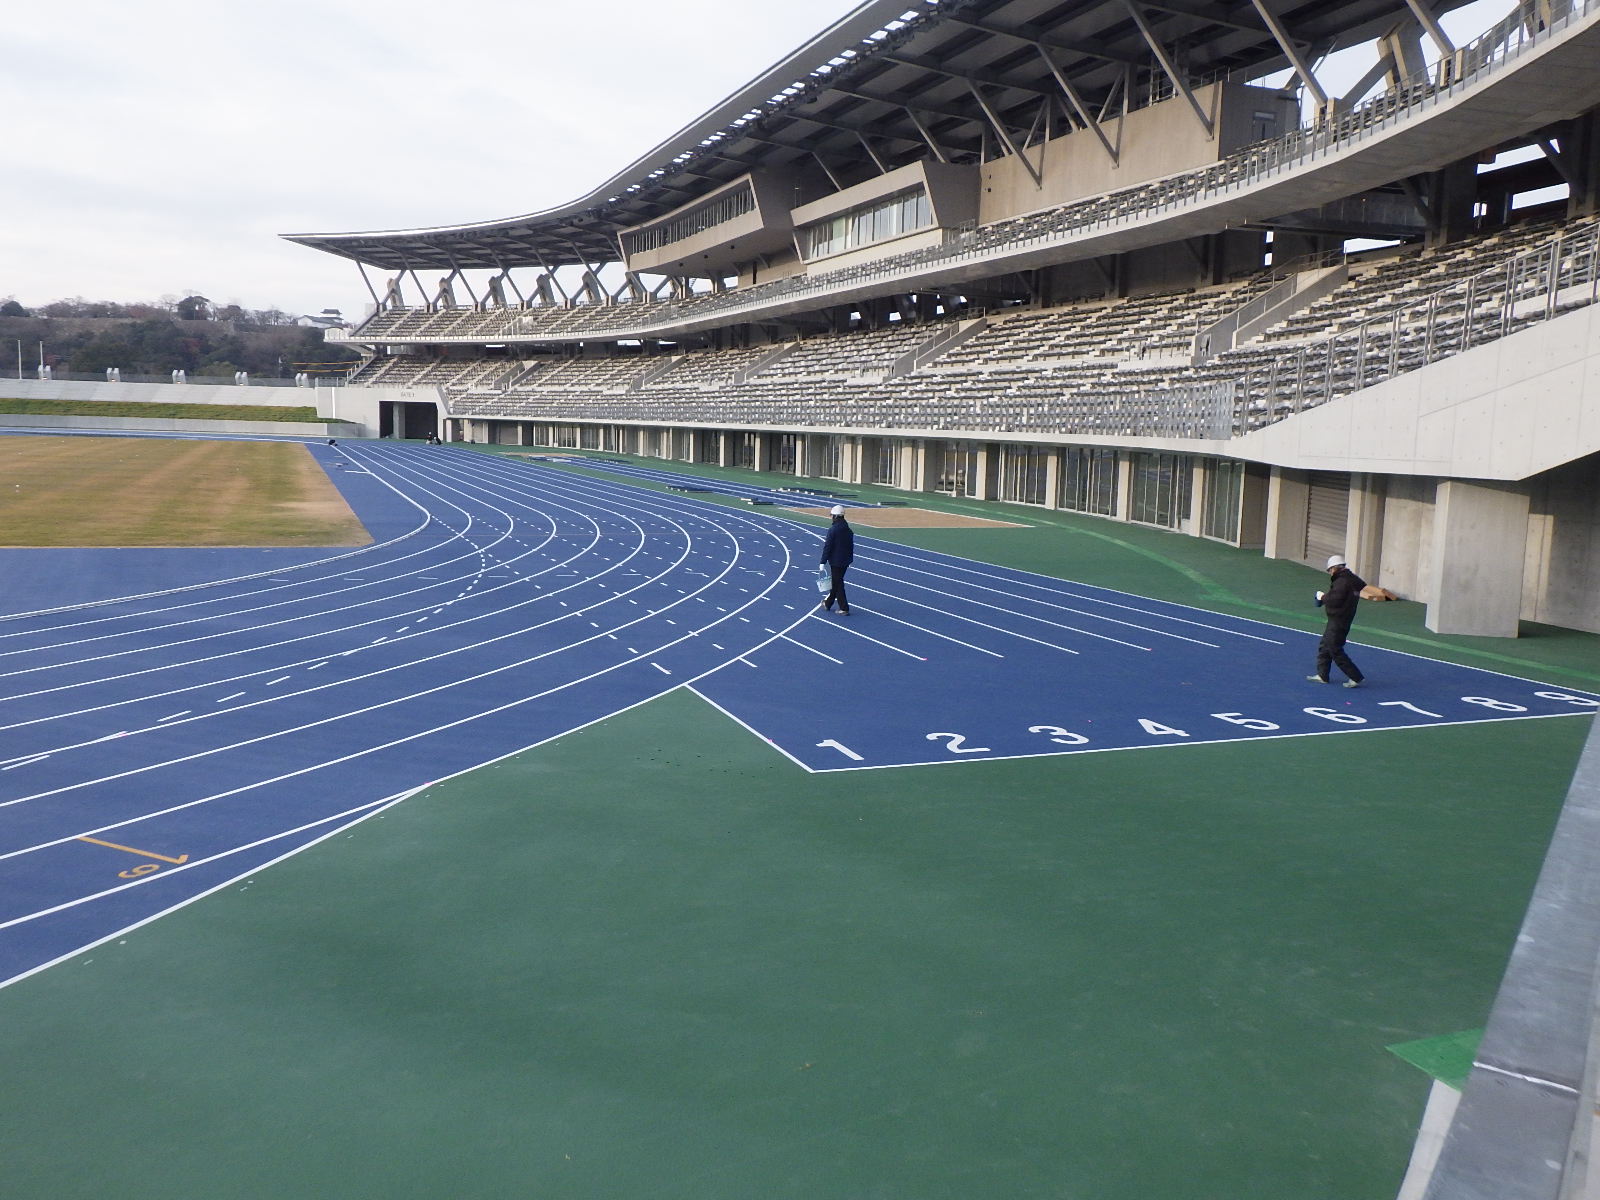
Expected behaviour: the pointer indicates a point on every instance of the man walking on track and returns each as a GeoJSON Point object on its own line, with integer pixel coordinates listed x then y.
{"type": "Point", "coordinates": [838, 549]}
{"type": "Point", "coordinates": [1340, 600]}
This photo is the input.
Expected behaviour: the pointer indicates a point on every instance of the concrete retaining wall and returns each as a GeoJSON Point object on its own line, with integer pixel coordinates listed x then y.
{"type": "Point", "coordinates": [317, 429]}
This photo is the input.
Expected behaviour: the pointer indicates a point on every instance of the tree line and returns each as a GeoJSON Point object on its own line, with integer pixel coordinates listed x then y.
{"type": "Point", "coordinates": [187, 334]}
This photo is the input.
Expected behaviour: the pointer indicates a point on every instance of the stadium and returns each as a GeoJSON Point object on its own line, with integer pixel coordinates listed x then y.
{"type": "Point", "coordinates": [1102, 321]}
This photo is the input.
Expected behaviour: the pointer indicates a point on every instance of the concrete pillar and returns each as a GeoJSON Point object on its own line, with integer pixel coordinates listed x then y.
{"type": "Point", "coordinates": [926, 464]}
{"type": "Point", "coordinates": [988, 472]}
{"type": "Point", "coordinates": [1253, 508]}
{"type": "Point", "coordinates": [1199, 482]}
{"type": "Point", "coordinates": [1363, 543]}
{"type": "Point", "coordinates": [1474, 571]}
{"type": "Point", "coordinates": [727, 451]}
{"type": "Point", "coordinates": [1581, 148]}
{"type": "Point", "coordinates": [1124, 486]}
{"type": "Point", "coordinates": [1052, 478]}
{"type": "Point", "coordinates": [1287, 497]}
{"type": "Point", "coordinates": [866, 456]}
{"type": "Point", "coordinates": [908, 472]}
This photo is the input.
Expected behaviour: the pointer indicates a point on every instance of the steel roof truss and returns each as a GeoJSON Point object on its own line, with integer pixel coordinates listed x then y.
{"type": "Point", "coordinates": [828, 171]}
{"type": "Point", "coordinates": [1030, 34]}
{"type": "Point", "coordinates": [1428, 21]}
{"type": "Point", "coordinates": [871, 153]}
{"type": "Point", "coordinates": [1201, 12]}
{"type": "Point", "coordinates": [966, 76]}
{"type": "Point", "coordinates": [1159, 49]}
{"type": "Point", "coordinates": [1292, 53]}
{"type": "Point", "coordinates": [1003, 134]}
{"type": "Point", "coordinates": [1076, 100]}
{"type": "Point", "coordinates": [921, 127]}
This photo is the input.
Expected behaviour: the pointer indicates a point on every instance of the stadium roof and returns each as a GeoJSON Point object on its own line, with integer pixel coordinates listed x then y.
{"type": "Point", "coordinates": [895, 81]}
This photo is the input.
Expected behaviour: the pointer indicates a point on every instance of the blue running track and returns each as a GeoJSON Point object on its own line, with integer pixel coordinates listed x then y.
{"type": "Point", "coordinates": [171, 722]}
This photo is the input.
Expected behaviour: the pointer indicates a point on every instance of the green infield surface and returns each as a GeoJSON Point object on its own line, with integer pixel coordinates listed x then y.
{"type": "Point", "coordinates": [654, 959]}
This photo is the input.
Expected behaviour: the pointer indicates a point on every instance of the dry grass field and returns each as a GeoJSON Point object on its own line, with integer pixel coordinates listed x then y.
{"type": "Point", "coordinates": [87, 491]}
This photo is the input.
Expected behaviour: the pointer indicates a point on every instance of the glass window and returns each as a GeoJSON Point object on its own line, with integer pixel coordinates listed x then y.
{"type": "Point", "coordinates": [876, 222]}
{"type": "Point", "coordinates": [1089, 480]}
{"type": "Point", "coordinates": [1224, 492]}
{"type": "Point", "coordinates": [1159, 490]}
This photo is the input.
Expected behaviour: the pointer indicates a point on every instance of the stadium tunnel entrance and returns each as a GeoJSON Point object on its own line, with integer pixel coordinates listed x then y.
{"type": "Point", "coordinates": [406, 419]}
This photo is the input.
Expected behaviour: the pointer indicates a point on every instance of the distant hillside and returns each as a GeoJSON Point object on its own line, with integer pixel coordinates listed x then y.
{"type": "Point", "coordinates": [151, 339]}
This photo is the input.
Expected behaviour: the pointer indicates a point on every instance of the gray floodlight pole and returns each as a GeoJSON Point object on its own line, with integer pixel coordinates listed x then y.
{"type": "Point", "coordinates": [1292, 52]}
{"type": "Point", "coordinates": [1167, 65]}
{"type": "Point", "coordinates": [19, 357]}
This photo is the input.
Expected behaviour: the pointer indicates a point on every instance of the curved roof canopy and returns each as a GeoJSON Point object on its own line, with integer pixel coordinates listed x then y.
{"type": "Point", "coordinates": [896, 81]}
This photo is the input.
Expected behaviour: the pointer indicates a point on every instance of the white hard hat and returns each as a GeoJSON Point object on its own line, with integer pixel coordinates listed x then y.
{"type": "Point", "coordinates": [836, 511]}
{"type": "Point", "coordinates": [1335, 560]}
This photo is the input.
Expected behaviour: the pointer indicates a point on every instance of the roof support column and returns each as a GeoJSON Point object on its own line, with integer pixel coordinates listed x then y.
{"type": "Point", "coordinates": [871, 153]}
{"type": "Point", "coordinates": [1076, 100]}
{"type": "Point", "coordinates": [1170, 67]}
{"type": "Point", "coordinates": [377, 304]}
{"type": "Point", "coordinates": [828, 171]}
{"type": "Point", "coordinates": [1292, 52]}
{"type": "Point", "coordinates": [461, 275]}
{"type": "Point", "coordinates": [1431, 23]}
{"type": "Point", "coordinates": [1004, 135]}
{"type": "Point", "coordinates": [921, 128]}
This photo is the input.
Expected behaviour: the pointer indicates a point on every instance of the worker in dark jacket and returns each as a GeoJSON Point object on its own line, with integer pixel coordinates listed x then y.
{"type": "Point", "coordinates": [1340, 601]}
{"type": "Point", "coordinates": [838, 549]}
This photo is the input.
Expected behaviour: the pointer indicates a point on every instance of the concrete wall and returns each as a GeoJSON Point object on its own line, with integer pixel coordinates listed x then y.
{"type": "Point", "coordinates": [1562, 575]}
{"type": "Point", "coordinates": [356, 405]}
{"type": "Point", "coordinates": [316, 429]}
{"type": "Point", "coordinates": [156, 393]}
{"type": "Point", "coordinates": [1152, 142]}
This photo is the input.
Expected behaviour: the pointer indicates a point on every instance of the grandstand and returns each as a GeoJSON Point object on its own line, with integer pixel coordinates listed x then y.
{"type": "Point", "coordinates": [1002, 234]}
{"type": "Point", "coordinates": [1065, 254]}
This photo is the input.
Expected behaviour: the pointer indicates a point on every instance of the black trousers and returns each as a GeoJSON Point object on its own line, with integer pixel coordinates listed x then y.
{"type": "Point", "coordinates": [1331, 650]}
{"type": "Point", "coordinates": [837, 592]}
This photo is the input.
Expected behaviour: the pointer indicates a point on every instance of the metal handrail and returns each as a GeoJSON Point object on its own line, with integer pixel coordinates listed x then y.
{"type": "Point", "coordinates": [1535, 285]}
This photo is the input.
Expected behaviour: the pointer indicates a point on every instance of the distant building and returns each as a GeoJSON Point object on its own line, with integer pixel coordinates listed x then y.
{"type": "Point", "coordinates": [328, 318]}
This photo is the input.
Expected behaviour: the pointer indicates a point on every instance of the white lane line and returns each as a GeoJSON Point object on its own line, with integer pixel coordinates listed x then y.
{"type": "Point", "coordinates": [235, 696]}
{"type": "Point", "coordinates": [176, 715]}
{"type": "Point", "coordinates": [843, 628]}
{"type": "Point", "coordinates": [278, 680]}
{"type": "Point", "coordinates": [814, 650]}
{"type": "Point", "coordinates": [351, 713]}
{"type": "Point", "coordinates": [937, 634]}
{"type": "Point", "coordinates": [23, 762]}
{"type": "Point", "coordinates": [198, 862]}
{"type": "Point", "coordinates": [1053, 586]}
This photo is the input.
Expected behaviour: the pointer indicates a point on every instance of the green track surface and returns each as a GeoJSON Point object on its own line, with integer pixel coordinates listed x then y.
{"type": "Point", "coordinates": [654, 959]}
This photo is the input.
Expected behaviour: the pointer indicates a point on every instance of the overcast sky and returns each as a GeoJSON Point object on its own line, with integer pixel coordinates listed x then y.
{"type": "Point", "coordinates": [158, 148]}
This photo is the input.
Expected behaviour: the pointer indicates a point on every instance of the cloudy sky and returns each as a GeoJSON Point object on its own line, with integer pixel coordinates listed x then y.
{"type": "Point", "coordinates": [159, 148]}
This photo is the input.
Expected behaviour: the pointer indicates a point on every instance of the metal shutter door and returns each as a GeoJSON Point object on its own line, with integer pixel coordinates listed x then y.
{"type": "Point", "coordinates": [1327, 511]}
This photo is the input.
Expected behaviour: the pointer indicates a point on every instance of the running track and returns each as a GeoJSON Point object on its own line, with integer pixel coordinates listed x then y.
{"type": "Point", "coordinates": [158, 745]}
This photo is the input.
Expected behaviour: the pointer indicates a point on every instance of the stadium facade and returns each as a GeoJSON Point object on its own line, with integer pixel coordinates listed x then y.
{"type": "Point", "coordinates": [1081, 255]}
